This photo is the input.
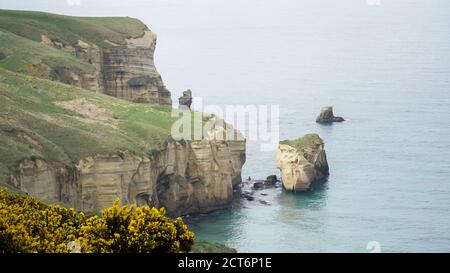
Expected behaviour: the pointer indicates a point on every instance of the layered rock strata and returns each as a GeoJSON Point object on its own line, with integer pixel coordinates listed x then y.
{"type": "Point", "coordinates": [185, 178]}
{"type": "Point", "coordinates": [124, 71]}
{"type": "Point", "coordinates": [302, 162]}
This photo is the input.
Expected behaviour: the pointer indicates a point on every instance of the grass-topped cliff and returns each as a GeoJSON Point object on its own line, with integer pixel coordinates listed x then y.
{"type": "Point", "coordinates": [101, 54]}
{"type": "Point", "coordinates": [26, 56]}
{"type": "Point", "coordinates": [69, 29]}
{"type": "Point", "coordinates": [21, 35]}
{"type": "Point", "coordinates": [58, 122]}
{"type": "Point", "coordinates": [307, 141]}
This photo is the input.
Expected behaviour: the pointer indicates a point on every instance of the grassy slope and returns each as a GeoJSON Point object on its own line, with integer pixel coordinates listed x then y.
{"type": "Point", "coordinates": [20, 37]}
{"type": "Point", "coordinates": [69, 29]}
{"type": "Point", "coordinates": [307, 141]}
{"type": "Point", "coordinates": [32, 58]}
{"type": "Point", "coordinates": [33, 124]}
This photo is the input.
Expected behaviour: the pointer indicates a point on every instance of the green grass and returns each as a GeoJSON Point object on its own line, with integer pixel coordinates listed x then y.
{"type": "Point", "coordinates": [307, 141]}
{"type": "Point", "coordinates": [32, 58]}
{"type": "Point", "coordinates": [34, 124]}
{"type": "Point", "coordinates": [70, 29]}
{"type": "Point", "coordinates": [21, 35]}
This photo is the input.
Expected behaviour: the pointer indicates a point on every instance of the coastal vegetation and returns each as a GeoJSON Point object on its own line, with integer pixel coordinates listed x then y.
{"type": "Point", "coordinates": [307, 141]}
{"type": "Point", "coordinates": [85, 118]}
{"type": "Point", "coordinates": [69, 29]}
{"type": "Point", "coordinates": [61, 123]}
{"type": "Point", "coordinates": [30, 226]}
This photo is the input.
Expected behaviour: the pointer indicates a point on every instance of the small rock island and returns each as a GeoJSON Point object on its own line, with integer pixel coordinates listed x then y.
{"type": "Point", "coordinates": [185, 100]}
{"type": "Point", "coordinates": [326, 116]}
{"type": "Point", "coordinates": [302, 162]}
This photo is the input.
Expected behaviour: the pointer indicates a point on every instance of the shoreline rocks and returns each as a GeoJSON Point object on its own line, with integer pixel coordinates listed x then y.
{"type": "Point", "coordinates": [326, 116]}
{"type": "Point", "coordinates": [302, 162]}
{"type": "Point", "coordinates": [271, 180]}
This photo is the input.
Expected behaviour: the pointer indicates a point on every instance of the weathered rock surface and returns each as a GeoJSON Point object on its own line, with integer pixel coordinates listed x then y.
{"type": "Point", "coordinates": [326, 116]}
{"type": "Point", "coordinates": [302, 162]}
{"type": "Point", "coordinates": [124, 71]}
{"type": "Point", "coordinates": [186, 178]}
{"type": "Point", "coordinates": [185, 100]}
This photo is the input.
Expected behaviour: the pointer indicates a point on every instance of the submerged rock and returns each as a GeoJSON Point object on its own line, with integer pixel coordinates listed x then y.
{"type": "Point", "coordinates": [185, 101]}
{"type": "Point", "coordinates": [302, 161]}
{"type": "Point", "coordinates": [271, 180]}
{"type": "Point", "coordinates": [326, 116]}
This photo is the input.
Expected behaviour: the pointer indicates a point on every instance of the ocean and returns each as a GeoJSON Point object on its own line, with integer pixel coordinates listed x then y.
{"type": "Point", "coordinates": [385, 68]}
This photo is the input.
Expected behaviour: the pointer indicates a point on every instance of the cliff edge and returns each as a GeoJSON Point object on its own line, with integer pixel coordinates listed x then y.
{"type": "Point", "coordinates": [63, 143]}
{"type": "Point", "coordinates": [115, 54]}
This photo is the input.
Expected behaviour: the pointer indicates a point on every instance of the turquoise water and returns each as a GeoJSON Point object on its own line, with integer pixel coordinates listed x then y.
{"type": "Point", "coordinates": [385, 68]}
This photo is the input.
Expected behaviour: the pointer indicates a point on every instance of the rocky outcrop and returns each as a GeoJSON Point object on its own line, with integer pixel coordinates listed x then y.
{"type": "Point", "coordinates": [185, 100]}
{"type": "Point", "coordinates": [186, 178]}
{"type": "Point", "coordinates": [326, 116]}
{"type": "Point", "coordinates": [302, 162]}
{"type": "Point", "coordinates": [271, 180]}
{"type": "Point", "coordinates": [124, 71]}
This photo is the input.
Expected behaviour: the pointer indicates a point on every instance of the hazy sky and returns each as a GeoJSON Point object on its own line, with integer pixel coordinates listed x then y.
{"type": "Point", "coordinates": [203, 42]}
{"type": "Point", "coordinates": [200, 13]}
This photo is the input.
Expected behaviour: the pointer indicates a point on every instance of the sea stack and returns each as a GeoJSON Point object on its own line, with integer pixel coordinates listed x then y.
{"type": "Point", "coordinates": [185, 100]}
{"type": "Point", "coordinates": [326, 116]}
{"type": "Point", "coordinates": [302, 162]}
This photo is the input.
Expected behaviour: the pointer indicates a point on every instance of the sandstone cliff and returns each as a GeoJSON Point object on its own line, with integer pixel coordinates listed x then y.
{"type": "Point", "coordinates": [186, 178]}
{"type": "Point", "coordinates": [302, 162]}
{"type": "Point", "coordinates": [68, 145]}
{"type": "Point", "coordinates": [117, 53]}
{"type": "Point", "coordinates": [123, 71]}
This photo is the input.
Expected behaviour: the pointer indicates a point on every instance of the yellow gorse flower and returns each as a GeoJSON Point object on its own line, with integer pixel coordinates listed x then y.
{"type": "Point", "coordinates": [27, 225]}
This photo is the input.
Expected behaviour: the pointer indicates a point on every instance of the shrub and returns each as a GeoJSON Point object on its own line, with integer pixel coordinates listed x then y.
{"type": "Point", "coordinates": [27, 225]}
{"type": "Point", "coordinates": [132, 229]}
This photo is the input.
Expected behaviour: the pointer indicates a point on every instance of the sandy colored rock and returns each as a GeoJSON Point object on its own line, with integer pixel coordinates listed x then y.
{"type": "Point", "coordinates": [302, 162]}
{"type": "Point", "coordinates": [185, 178]}
{"type": "Point", "coordinates": [124, 71]}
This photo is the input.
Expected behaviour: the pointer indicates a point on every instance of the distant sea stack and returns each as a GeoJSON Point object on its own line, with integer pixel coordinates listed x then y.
{"type": "Point", "coordinates": [185, 100]}
{"type": "Point", "coordinates": [326, 116]}
{"type": "Point", "coordinates": [302, 162]}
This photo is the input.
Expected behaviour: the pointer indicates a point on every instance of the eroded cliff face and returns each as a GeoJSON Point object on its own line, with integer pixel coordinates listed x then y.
{"type": "Point", "coordinates": [186, 178]}
{"type": "Point", "coordinates": [124, 71]}
{"type": "Point", "coordinates": [301, 166]}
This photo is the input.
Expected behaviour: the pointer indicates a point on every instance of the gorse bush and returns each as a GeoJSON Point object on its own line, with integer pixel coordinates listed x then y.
{"type": "Point", "coordinates": [27, 225]}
